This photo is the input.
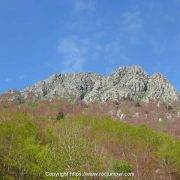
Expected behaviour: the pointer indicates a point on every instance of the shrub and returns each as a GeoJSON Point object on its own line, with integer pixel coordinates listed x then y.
{"type": "Point", "coordinates": [122, 167]}
{"type": "Point", "coordinates": [60, 116]}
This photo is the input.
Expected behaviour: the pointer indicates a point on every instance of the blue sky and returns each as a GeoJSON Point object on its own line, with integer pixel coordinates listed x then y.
{"type": "Point", "coordinates": [40, 38]}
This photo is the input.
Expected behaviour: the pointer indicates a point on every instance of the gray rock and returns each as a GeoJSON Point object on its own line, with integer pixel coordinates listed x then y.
{"type": "Point", "coordinates": [120, 115]}
{"type": "Point", "coordinates": [125, 83]}
{"type": "Point", "coordinates": [159, 87]}
{"type": "Point", "coordinates": [179, 96]}
{"type": "Point", "coordinates": [66, 86]}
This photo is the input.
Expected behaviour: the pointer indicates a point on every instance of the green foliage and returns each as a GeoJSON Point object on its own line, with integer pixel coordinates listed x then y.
{"type": "Point", "coordinates": [169, 154]}
{"type": "Point", "coordinates": [18, 142]}
{"type": "Point", "coordinates": [33, 105]}
{"type": "Point", "coordinates": [60, 116]}
{"type": "Point", "coordinates": [122, 167]}
{"type": "Point", "coordinates": [29, 147]}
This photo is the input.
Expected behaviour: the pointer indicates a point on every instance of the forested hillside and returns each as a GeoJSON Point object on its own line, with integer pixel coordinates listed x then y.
{"type": "Point", "coordinates": [57, 136]}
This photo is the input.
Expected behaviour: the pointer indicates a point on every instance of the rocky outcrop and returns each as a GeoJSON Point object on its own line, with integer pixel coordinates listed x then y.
{"type": "Point", "coordinates": [125, 83]}
{"type": "Point", "coordinates": [179, 96]}
{"type": "Point", "coordinates": [159, 87]}
{"type": "Point", "coordinates": [66, 86]}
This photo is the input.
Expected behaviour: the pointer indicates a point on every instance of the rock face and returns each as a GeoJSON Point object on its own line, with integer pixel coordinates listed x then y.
{"type": "Point", "coordinates": [179, 96]}
{"type": "Point", "coordinates": [66, 86]}
{"type": "Point", "coordinates": [158, 87]}
{"type": "Point", "coordinates": [125, 83]}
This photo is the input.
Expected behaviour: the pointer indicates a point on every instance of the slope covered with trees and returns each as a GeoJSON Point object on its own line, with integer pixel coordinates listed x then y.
{"type": "Point", "coordinates": [57, 136]}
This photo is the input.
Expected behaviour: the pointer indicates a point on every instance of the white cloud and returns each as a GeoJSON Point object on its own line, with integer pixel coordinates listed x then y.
{"type": "Point", "coordinates": [7, 79]}
{"type": "Point", "coordinates": [22, 77]}
{"type": "Point", "coordinates": [72, 51]}
{"type": "Point", "coordinates": [84, 5]}
{"type": "Point", "coordinates": [116, 49]}
{"type": "Point", "coordinates": [132, 24]}
{"type": "Point", "coordinates": [75, 53]}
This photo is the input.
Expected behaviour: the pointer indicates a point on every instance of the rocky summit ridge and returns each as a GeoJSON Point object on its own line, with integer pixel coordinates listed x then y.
{"type": "Point", "coordinates": [131, 83]}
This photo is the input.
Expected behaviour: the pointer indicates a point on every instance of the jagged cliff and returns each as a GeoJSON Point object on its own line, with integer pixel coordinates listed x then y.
{"type": "Point", "coordinates": [125, 83]}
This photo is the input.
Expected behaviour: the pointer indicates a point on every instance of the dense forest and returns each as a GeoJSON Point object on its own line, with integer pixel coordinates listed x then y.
{"type": "Point", "coordinates": [57, 136]}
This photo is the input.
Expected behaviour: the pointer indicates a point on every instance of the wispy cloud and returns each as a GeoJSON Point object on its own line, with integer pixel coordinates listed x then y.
{"type": "Point", "coordinates": [72, 51]}
{"type": "Point", "coordinates": [7, 80]}
{"type": "Point", "coordinates": [84, 5]}
{"type": "Point", "coordinates": [22, 77]}
{"type": "Point", "coordinates": [76, 49]}
{"type": "Point", "coordinates": [76, 53]}
{"type": "Point", "coordinates": [132, 24]}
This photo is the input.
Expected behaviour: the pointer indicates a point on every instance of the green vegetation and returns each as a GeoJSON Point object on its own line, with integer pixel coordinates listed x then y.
{"type": "Point", "coordinates": [32, 145]}
{"type": "Point", "coordinates": [60, 116]}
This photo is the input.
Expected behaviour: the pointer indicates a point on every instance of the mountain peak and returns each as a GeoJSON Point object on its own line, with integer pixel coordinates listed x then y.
{"type": "Point", "coordinates": [134, 69]}
{"type": "Point", "coordinates": [127, 82]}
